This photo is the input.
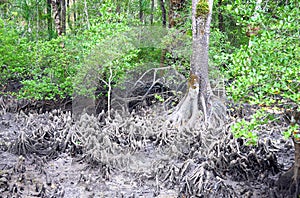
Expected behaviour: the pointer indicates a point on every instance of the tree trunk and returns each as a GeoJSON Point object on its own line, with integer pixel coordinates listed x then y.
{"type": "Point", "coordinates": [86, 14]}
{"type": "Point", "coordinates": [49, 19]}
{"type": "Point", "coordinates": [288, 183]}
{"type": "Point", "coordinates": [171, 14]}
{"type": "Point", "coordinates": [74, 14]}
{"type": "Point", "coordinates": [68, 16]}
{"type": "Point", "coordinates": [296, 171]}
{"type": "Point", "coordinates": [152, 12]}
{"type": "Point", "coordinates": [59, 14]}
{"type": "Point", "coordinates": [201, 19]}
{"type": "Point", "coordinates": [175, 6]}
{"type": "Point", "coordinates": [187, 111]}
{"type": "Point", "coordinates": [141, 10]}
{"type": "Point", "coordinates": [56, 14]}
{"type": "Point", "coordinates": [174, 17]}
{"type": "Point", "coordinates": [164, 24]}
{"type": "Point", "coordinates": [163, 13]}
{"type": "Point", "coordinates": [63, 16]}
{"type": "Point", "coordinates": [220, 17]}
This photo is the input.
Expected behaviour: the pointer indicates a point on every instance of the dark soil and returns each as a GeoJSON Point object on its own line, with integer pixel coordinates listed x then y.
{"type": "Point", "coordinates": [47, 154]}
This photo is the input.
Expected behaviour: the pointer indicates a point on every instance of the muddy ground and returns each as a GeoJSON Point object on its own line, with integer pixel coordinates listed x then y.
{"type": "Point", "coordinates": [51, 155]}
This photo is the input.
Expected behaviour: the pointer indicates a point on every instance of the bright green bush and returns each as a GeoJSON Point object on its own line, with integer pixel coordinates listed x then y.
{"type": "Point", "coordinates": [53, 65]}
{"type": "Point", "coordinates": [247, 129]}
{"type": "Point", "coordinates": [220, 49]}
{"type": "Point", "coordinates": [267, 71]}
{"type": "Point", "coordinates": [16, 53]}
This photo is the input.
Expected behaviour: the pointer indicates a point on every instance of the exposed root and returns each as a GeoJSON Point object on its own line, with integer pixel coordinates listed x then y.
{"type": "Point", "coordinates": [23, 145]}
{"type": "Point", "coordinates": [227, 164]}
{"type": "Point", "coordinates": [216, 114]}
{"type": "Point", "coordinates": [204, 161]}
{"type": "Point", "coordinates": [186, 112]}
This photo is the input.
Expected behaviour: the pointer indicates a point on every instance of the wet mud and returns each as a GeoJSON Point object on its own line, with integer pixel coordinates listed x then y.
{"type": "Point", "coordinates": [48, 154]}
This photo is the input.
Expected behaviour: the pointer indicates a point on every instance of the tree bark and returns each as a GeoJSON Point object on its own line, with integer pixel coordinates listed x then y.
{"type": "Point", "coordinates": [171, 15]}
{"type": "Point", "coordinates": [141, 10]}
{"type": "Point", "coordinates": [152, 12]}
{"type": "Point", "coordinates": [296, 171]}
{"type": "Point", "coordinates": [59, 14]}
{"type": "Point", "coordinates": [164, 24]}
{"type": "Point", "coordinates": [220, 17]}
{"type": "Point", "coordinates": [288, 183]}
{"type": "Point", "coordinates": [199, 90]}
{"type": "Point", "coordinates": [86, 14]}
{"type": "Point", "coordinates": [174, 17]}
{"type": "Point", "coordinates": [201, 32]}
{"type": "Point", "coordinates": [49, 19]}
{"type": "Point", "coordinates": [187, 109]}
{"type": "Point", "coordinates": [175, 6]}
{"type": "Point", "coordinates": [56, 13]}
{"type": "Point", "coordinates": [75, 14]}
{"type": "Point", "coordinates": [68, 16]}
{"type": "Point", "coordinates": [163, 13]}
{"type": "Point", "coordinates": [63, 16]}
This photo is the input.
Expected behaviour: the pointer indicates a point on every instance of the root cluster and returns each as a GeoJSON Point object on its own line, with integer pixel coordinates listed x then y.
{"type": "Point", "coordinates": [154, 155]}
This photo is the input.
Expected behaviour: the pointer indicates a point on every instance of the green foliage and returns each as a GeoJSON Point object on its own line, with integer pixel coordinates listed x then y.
{"type": "Point", "coordinates": [179, 45]}
{"type": "Point", "coordinates": [159, 98]}
{"type": "Point", "coordinates": [53, 65]}
{"type": "Point", "coordinates": [264, 68]}
{"type": "Point", "coordinates": [107, 62]}
{"type": "Point", "coordinates": [226, 20]}
{"type": "Point", "coordinates": [247, 128]}
{"type": "Point", "coordinates": [15, 54]}
{"type": "Point", "coordinates": [259, 77]}
{"type": "Point", "coordinates": [47, 69]}
{"type": "Point", "coordinates": [220, 49]}
{"type": "Point", "coordinates": [266, 71]}
{"type": "Point", "coordinates": [292, 130]}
